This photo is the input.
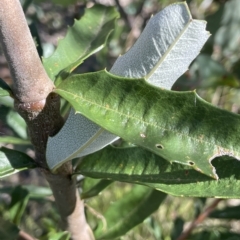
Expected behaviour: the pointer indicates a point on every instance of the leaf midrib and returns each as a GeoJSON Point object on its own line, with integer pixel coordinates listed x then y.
{"type": "Point", "coordinates": [170, 48]}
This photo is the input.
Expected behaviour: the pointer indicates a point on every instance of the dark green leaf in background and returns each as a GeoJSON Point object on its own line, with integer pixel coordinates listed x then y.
{"type": "Point", "coordinates": [205, 73]}
{"type": "Point", "coordinates": [215, 234]}
{"type": "Point", "coordinates": [8, 230]}
{"type": "Point", "coordinates": [232, 212]}
{"type": "Point", "coordinates": [35, 192]}
{"type": "Point", "coordinates": [179, 126]}
{"type": "Point", "coordinates": [19, 201]}
{"type": "Point", "coordinates": [60, 2]}
{"type": "Point", "coordinates": [227, 36]}
{"type": "Point", "coordinates": [5, 90]}
{"type": "Point", "coordinates": [12, 161]}
{"type": "Point", "coordinates": [177, 228]}
{"type": "Point", "coordinates": [86, 37]}
{"type": "Point", "coordinates": [129, 211]}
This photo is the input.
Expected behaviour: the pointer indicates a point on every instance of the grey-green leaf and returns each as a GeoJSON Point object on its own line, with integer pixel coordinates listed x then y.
{"type": "Point", "coordinates": [12, 161]}
{"type": "Point", "coordinates": [163, 52]}
{"type": "Point", "coordinates": [161, 46]}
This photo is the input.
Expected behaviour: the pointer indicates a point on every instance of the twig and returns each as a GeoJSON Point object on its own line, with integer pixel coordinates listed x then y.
{"type": "Point", "coordinates": [24, 236]}
{"type": "Point", "coordinates": [97, 215]}
{"type": "Point", "coordinates": [199, 219]}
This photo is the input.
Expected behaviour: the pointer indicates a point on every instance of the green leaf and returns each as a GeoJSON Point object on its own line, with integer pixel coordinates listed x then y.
{"type": "Point", "coordinates": [20, 197]}
{"type": "Point", "coordinates": [96, 189]}
{"type": "Point", "coordinates": [17, 123]}
{"type": "Point", "coordinates": [137, 165]}
{"type": "Point", "coordinates": [86, 37]}
{"type": "Point", "coordinates": [12, 161]}
{"type": "Point", "coordinates": [177, 228]}
{"type": "Point", "coordinates": [58, 236]}
{"type": "Point", "coordinates": [14, 140]}
{"type": "Point", "coordinates": [5, 90]}
{"type": "Point", "coordinates": [7, 101]}
{"type": "Point", "coordinates": [8, 230]}
{"type": "Point", "coordinates": [179, 126]}
{"type": "Point", "coordinates": [129, 211]}
{"type": "Point", "coordinates": [169, 36]}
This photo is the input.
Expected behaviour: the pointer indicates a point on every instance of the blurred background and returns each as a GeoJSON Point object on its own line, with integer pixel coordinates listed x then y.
{"type": "Point", "coordinates": [215, 74]}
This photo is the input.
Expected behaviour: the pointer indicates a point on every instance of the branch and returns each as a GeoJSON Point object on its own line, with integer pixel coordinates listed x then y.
{"type": "Point", "coordinates": [30, 81]}
{"type": "Point", "coordinates": [70, 206]}
{"type": "Point", "coordinates": [40, 108]}
{"type": "Point", "coordinates": [199, 220]}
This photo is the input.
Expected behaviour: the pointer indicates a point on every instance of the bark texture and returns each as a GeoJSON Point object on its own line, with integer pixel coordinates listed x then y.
{"type": "Point", "coordinates": [40, 108]}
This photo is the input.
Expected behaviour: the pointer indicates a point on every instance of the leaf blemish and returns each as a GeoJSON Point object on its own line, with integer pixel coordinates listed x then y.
{"type": "Point", "coordinates": [159, 146]}
{"type": "Point", "coordinates": [142, 135]}
{"type": "Point", "coordinates": [191, 163]}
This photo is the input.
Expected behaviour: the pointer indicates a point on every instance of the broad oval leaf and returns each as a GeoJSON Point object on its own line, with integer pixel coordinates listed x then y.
{"type": "Point", "coordinates": [166, 41]}
{"type": "Point", "coordinates": [179, 126]}
{"type": "Point", "coordinates": [139, 166]}
{"type": "Point", "coordinates": [12, 161]}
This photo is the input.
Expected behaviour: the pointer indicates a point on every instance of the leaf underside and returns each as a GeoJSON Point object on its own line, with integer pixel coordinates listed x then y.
{"type": "Point", "coordinates": [166, 47]}
{"type": "Point", "coordinates": [179, 126]}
